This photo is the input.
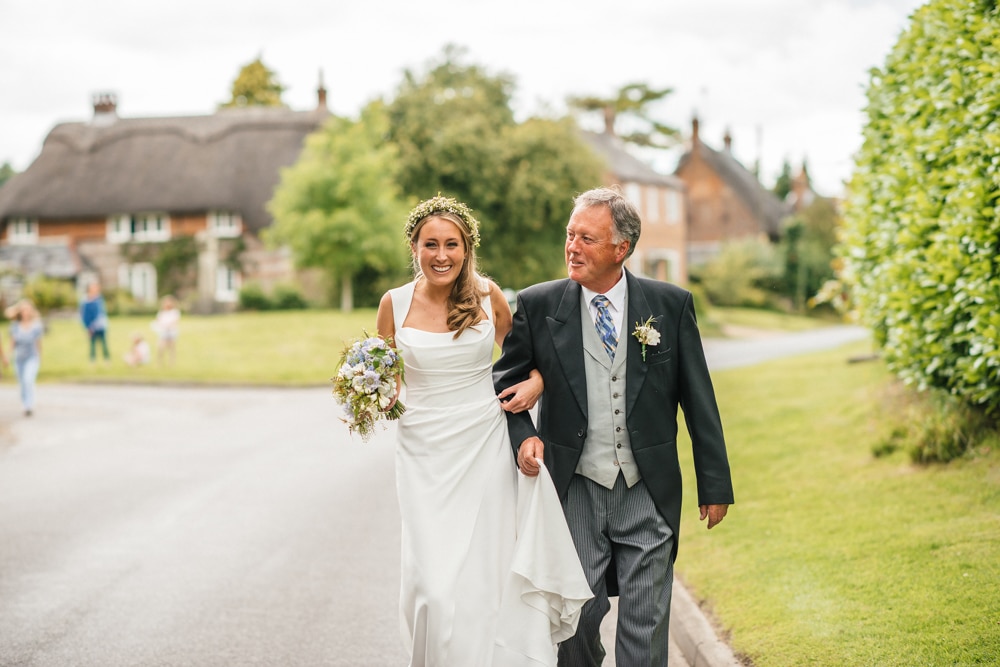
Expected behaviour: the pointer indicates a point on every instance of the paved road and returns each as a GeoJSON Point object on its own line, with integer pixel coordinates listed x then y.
{"type": "Point", "coordinates": [178, 526]}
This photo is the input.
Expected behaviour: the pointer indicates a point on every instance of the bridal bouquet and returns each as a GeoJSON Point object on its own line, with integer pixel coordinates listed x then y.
{"type": "Point", "coordinates": [366, 384]}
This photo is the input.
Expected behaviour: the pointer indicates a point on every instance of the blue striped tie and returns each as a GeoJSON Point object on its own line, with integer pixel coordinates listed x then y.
{"type": "Point", "coordinates": [605, 325]}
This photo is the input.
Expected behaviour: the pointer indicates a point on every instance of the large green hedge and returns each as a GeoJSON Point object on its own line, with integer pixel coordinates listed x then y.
{"type": "Point", "coordinates": [921, 242]}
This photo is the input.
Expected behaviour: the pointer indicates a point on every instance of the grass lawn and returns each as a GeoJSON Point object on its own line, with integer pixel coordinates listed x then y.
{"type": "Point", "coordinates": [270, 348]}
{"type": "Point", "coordinates": [832, 556]}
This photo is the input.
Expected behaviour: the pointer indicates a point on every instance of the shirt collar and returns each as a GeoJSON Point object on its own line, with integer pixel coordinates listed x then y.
{"type": "Point", "coordinates": [616, 295]}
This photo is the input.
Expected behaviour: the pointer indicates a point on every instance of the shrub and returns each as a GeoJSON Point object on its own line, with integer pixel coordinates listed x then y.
{"type": "Point", "coordinates": [922, 230]}
{"type": "Point", "coordinates": [252, 297]}
{"type": "Point", "coordinates": [288, 297]}
{"type": "Point", "coordinates": [743, 274]}
{"type": "Point", "coordinates": [50, 294]}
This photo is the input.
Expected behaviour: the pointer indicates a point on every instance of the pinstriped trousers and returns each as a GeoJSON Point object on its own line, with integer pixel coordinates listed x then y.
{"type": "Point", "coordinates": [620, 523]}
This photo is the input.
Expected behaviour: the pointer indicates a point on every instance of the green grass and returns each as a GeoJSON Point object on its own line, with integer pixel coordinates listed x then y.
{"type": "Point", "coordinates": [832, 556]}
{"type": "Point", "coordinates": [752, 318]}
{"type": "Point", "coordinates": [270, 348]}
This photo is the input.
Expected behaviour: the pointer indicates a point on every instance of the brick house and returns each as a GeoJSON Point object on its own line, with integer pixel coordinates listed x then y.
{"type": "Point", "coordinates": [726, 201]}
{"type": "Point", "coordinates": [662, 204]}
{"type": "Point", "coordinates": [112, 195]}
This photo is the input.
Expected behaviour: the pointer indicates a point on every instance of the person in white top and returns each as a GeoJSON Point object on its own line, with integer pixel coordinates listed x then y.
{"type": "Point", "coordinates": [167, 325]}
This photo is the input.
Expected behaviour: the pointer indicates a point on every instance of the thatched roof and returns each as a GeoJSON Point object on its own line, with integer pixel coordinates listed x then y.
{"type": "Point", "coordinates": [625, 166]}
{"type": "Point", "coordinates": [229, 161]}
{"type": "Point", "coordinates": [763, 203]}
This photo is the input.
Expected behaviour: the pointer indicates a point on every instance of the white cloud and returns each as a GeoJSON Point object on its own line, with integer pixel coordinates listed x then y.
{"type": "Point", "coordinates": [789, 72]}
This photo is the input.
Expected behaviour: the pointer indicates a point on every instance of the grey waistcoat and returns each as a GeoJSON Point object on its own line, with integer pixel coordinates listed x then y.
{"type": "Point", "coordinates": [607, 449]}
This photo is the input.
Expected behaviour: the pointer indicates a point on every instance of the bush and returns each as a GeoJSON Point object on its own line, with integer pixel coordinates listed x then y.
{"type": "Point", "coordinates": [288, 297]}
{"type": "Point", "coordinates": [922, 230]}
{"type": "Point", "coordinates": [252, 297]}
{"type": "Point", "coordinates": [50, 294]}
{"type": "Point", "coordinates": [931, 426]}
{"type": "Point", "coordinates": [743, 274]}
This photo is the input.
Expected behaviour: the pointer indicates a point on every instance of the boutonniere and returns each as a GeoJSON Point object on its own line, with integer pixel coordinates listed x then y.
{"type": "Point", "coordinates": [646, 334]}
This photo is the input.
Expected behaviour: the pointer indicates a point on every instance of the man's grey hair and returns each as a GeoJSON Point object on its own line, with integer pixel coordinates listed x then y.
{"type": "Point", "coordinates": [624, 216]}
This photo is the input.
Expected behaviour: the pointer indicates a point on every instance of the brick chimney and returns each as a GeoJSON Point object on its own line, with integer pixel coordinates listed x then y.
{"type": "Point", "coordinates": [321, 95]}
{"type": "Point", "coordinates": [105, 108]}
{"type": "Point", "coordinates": [694, 131]}
{"type": "Point", "coordinates": [727, 141]}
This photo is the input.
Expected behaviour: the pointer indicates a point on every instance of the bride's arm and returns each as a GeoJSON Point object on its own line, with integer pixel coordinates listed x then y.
{"type": "Point", "coordinates": [386, 327]}
{"type": "Point", "coordinates": [523, 395]}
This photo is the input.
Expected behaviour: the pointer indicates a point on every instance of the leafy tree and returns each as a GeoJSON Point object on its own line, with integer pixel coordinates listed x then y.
{"type": "Point", "coordinates": [922, 230]}
{"type": "Point", "coordinates": [338, 207]}
{"type": "Point", "coordinates": [631, 102]}
{"type": "Point", "coordinates": [456, 134]}
{"type": "Point", "coordinates": [808, 246]}
{"type": "Point", "coordinates": [256, 86]}
{"type": "Point", "coordinates": [783, 185]}
{"type": "Point", "coordinates": [6, 171]}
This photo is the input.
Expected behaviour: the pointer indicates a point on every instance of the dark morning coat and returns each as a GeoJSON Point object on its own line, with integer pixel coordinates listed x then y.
{"type": "Point", "coordinates": [547, 335]}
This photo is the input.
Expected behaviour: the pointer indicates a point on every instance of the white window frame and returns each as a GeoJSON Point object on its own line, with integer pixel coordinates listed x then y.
{"type": "Point", "coordinates": [633, 192]}
{"type": "Point", "coordinates": [227, 284]}
{"type": "Point", "coordinates": [225, 224]}
{"type": "Point", "coordinates": [150, 227]}
{"type": "Point", "coordinates": [140, 227]}
{"type": "Point", "coordinates": [675, 204]}
{"type": "Point", "coordinates": [23, 231]}
{"type": "Point", "coordinates": [653, 212]}
{"type": "Point", "coordinates": [139, 280]}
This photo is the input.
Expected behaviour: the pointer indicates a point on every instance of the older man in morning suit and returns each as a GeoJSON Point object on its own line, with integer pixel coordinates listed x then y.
{"type": "Point", "coordinates": [607, 423]}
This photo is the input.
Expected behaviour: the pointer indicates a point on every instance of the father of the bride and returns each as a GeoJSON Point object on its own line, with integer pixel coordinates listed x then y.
{"type": "Point", "coordinates": [618, 354]}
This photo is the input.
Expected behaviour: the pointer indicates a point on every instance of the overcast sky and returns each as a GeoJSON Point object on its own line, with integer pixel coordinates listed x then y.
{"type": "Point", "coordinates": [786, 77]}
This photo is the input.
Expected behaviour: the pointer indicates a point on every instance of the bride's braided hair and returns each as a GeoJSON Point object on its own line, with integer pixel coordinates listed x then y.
{"type": "Point", "coordinates": [465, 303]}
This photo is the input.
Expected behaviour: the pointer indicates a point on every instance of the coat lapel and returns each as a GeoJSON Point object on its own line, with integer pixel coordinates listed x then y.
{"type": "Point", "coordinates": [638, 311]}
{"type": "Point", "coordinates": [567, 336]}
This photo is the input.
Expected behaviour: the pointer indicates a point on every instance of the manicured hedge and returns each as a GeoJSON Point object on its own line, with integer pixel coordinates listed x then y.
{"type": "Point", "coordinates": [921, 242]}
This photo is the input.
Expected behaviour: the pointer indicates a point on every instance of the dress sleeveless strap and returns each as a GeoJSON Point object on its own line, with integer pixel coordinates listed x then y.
{"type": "Point", "coordinates": [401, 296]}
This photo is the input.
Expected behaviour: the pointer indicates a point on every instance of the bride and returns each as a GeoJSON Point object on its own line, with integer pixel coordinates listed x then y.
{"type": "Point", "coordinates": [489, 576]}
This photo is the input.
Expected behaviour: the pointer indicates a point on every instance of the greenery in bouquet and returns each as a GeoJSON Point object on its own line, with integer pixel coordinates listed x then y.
{"type": "Point", "coordinates": [365, 384]}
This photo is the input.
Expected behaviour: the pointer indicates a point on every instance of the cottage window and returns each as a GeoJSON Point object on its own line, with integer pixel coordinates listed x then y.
{"type": "Point", "coordinates": [139, 280]}
{"type": "Point", "coordinates": [227, 284]}
{"type": "Point", "coordinates": [633, 192]}
{"type": "Point", "coordinates": [673, 207]}
{"type": "Point", "coordinates": [23, 231]}
{"type": "Point", "coordinates": [224, 224]}
{"type": "Point", "coordinates": [150, 227]}
{"type": "Point", "coordinates": [653, 213]}
{"type": "Point", "coordinates": [138, 227]}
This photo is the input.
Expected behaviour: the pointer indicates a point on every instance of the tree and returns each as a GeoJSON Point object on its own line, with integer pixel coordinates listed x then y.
{"type": "Point", "coordinates": [256, 86]}
{"type": "Point", "coordinates": [631, 102]}
{"type": "Point", "coordinates": [922, 231]}
{"type": "Point", "coordinates": [6, 172]}
{"type": "Point", "coordinates": [783, 185]}
{"type": "Point", "coordinates": [456, 135]}
{"type": "Point", "coordinates": [338, 206]}
{"type": "Point", "coordinates": [808, 245]}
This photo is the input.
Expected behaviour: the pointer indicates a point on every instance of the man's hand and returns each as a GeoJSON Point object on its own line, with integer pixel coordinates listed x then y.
{"type": "Point", "coordinates": [531, 449]}
{"type": "Point", "coordinates": [715, 514]}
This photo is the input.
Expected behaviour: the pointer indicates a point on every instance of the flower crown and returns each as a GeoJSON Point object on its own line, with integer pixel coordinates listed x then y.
{"type": "Point", "coordinates": [441, 204]}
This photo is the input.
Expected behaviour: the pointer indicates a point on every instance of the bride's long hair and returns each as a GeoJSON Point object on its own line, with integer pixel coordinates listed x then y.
{"type": "Point", "coordinates": [465, 303]}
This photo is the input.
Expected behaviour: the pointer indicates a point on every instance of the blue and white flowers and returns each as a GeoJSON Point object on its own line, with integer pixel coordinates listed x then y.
{"type": "Point", "coordinates": [366, 384]}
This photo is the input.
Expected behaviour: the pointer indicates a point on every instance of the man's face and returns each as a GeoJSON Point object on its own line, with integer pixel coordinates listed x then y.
{"type": "Point", "coordinates": [592, 258]}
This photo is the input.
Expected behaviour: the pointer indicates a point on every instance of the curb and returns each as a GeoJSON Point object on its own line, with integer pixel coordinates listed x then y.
{"type": "Point", "coordinates": [694, 635]}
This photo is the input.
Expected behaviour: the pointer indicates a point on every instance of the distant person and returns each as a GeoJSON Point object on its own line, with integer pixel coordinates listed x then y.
{"type": "Point", "coordinates": [4, 362]}
{"type": "Point", "coordinates": [138, 353]}
{"type": "Point", "coordinates": [94, 316]}
{"type": "Point", "coordinates": [166, 326]}
{"type": "Point", "coordinates": [26, 348]}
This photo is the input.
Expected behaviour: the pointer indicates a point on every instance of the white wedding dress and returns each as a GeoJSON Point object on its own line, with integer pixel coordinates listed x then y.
{"type": "Point", "coordinates": [490, 577]}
